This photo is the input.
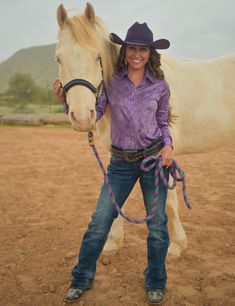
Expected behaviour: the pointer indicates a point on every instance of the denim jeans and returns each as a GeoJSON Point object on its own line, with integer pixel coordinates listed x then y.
{"type": "Point", "coordinates": [123, 176]}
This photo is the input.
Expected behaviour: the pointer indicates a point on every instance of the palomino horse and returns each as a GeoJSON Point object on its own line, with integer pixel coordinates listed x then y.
{"type": "Point", "coordinates": [202, 96]}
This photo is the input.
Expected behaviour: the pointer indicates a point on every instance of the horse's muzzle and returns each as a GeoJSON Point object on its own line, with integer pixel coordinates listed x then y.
{"type": "Point", "coordinates": [82, 124]}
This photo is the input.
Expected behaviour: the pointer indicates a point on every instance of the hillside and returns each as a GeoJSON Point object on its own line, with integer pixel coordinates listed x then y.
{"type": "Point", "coordinates": [37, 61]}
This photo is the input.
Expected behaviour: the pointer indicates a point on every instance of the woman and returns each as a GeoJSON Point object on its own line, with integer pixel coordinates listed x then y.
{"type": "Point", "coordinates": [138, 97]}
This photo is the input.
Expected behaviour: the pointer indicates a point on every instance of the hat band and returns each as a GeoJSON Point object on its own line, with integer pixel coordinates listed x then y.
{"type": "Point", "coordinates": [137, 42]}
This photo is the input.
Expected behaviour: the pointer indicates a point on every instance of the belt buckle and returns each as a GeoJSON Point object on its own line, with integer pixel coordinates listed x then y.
{"type": "Point", "coordinates": [126, 156]}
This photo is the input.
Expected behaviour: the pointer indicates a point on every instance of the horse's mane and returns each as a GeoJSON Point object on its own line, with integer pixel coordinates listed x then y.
{"type": "Point", "coordinates": [95, 35]}
{"type": "Point", "coordinates": [83, 30]}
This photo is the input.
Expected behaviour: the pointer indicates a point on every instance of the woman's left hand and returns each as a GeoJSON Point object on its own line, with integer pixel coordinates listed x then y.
{"type": "Point", "coordinates": [166, 154]}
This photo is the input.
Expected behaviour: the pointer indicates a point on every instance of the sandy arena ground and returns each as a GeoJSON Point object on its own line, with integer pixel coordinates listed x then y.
{"type": "Point", "coordinates": [49, 184]}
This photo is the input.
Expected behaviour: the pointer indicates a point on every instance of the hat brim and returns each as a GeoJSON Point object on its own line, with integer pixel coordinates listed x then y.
{"type": "Point", "coordinates": [157, 44]}
{"type": "Point", "coordinates": [161, 44]}
{"type": "Point", "coordinates": [116, 39]}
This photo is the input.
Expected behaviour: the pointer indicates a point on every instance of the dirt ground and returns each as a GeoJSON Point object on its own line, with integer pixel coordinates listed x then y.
{"type": "Point", "coordinates": [49, 184]}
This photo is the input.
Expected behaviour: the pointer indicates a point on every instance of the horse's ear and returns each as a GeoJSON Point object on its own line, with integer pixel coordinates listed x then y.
{"type": "Point", "coordinates": [61, 15]}
{"type": "Point", "coordinates": [89, 13]}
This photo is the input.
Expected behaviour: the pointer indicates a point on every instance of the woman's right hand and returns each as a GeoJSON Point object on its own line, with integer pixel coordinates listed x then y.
{"type": "Point", "coordinates": [58, 90]}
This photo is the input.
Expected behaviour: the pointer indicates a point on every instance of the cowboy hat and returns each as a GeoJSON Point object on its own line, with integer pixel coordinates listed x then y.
{"type": "Point", "coordinates": [140, 34]}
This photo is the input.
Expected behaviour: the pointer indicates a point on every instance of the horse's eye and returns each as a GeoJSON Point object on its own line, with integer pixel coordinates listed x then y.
{"type": "Point", "coordinates": [58, 60]}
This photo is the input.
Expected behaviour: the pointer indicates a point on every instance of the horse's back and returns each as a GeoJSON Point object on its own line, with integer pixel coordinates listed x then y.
{"type": "Point", "coordinates": [203, 96]}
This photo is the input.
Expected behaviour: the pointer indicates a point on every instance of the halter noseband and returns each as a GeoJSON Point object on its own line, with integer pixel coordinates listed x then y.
{"type": "Point", "coordinates": [87, 84]}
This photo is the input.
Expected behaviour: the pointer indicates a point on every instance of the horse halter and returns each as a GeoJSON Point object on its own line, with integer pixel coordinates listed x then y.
{"type": "Point", "coordinates": [87, 84]}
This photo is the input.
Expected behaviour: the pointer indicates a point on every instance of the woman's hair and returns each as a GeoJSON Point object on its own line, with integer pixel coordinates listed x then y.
{"type": "Point", "coordinates": [153, 65]}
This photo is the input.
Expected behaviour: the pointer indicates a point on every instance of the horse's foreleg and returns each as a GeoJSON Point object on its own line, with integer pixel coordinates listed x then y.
{"type": "Point", "coordinates": [115, 240]}
{"type": "Point", "coordinates": [178, 238]}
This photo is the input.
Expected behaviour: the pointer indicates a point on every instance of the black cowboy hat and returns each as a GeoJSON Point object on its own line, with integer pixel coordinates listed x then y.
{"type": "Point", "coordinates": [140, 34]}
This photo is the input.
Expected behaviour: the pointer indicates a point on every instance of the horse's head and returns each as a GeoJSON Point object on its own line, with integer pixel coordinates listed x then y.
{"type": "Point", "coordinates": [82, 41]}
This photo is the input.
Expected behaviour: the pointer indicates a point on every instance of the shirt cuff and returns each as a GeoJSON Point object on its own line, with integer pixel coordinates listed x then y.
{"type": "Point", "coordinates": [168, 142]}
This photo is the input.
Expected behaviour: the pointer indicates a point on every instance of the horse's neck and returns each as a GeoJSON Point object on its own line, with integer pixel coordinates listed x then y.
{"type": "Point", "coordinates": [109, 60]}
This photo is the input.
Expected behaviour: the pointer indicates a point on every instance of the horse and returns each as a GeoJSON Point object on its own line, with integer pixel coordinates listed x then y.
{"type": "Point", "coordinates": [202, 97]}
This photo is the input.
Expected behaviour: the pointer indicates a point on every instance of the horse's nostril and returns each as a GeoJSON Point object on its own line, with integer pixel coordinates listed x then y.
{"type": "Point", "coordinates": [90, 118]}
{"type": "Point", "coordinates": [72, 116]}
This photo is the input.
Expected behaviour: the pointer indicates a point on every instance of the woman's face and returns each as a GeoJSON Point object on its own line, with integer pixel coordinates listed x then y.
{"type": "Point", "coordinates": [137, 56]}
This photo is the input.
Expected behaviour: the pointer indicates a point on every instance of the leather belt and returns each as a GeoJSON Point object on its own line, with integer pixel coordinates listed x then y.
{"type": "Point", "coordinates": [134, 155]}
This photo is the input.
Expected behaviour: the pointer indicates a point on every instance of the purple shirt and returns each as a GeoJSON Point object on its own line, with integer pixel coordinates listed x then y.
{"type": "Point", "coordinates": [138, 114]}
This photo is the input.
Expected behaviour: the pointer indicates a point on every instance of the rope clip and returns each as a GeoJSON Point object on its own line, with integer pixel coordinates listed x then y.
{"type": "Point", "coordinates": [91, 138]}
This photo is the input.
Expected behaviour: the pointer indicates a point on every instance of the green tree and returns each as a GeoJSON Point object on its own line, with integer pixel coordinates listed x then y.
{"type": "Point", "coordinates": [22, 92]}
{"type": "Point", "coordinates": [22, 89]}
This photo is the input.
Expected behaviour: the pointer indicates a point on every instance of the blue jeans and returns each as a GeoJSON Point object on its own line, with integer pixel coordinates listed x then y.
{"type": "Point", "coordinates": [123, 176]}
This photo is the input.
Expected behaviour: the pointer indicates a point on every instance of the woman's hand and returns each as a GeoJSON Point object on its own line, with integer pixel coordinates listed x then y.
{"type": "Point", "coordinates": [166, 154]}
{"type": "Point", "coordinates": [57, 88]}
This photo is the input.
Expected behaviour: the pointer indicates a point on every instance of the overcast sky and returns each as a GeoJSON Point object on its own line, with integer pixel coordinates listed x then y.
{"type": "Point", "coordinates": [197, 29]}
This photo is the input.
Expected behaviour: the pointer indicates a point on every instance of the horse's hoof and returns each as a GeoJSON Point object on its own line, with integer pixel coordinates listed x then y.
{"type": "Point", "coordinates": [107, 257]}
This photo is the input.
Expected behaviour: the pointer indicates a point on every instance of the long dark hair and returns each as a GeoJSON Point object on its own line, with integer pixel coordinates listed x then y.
{"type": "Point", "coordinates": [153, 65]}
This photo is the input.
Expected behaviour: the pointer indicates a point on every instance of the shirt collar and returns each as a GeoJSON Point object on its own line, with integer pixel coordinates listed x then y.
{"type": "Point", "coordinates": [148, 75]}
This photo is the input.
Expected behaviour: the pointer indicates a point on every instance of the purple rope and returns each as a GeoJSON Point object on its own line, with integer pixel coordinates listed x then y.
{"type": "Point", "coordinates": [154, 162]}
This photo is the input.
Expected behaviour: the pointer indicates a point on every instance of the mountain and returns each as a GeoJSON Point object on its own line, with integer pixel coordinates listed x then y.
{"type": "Point", "coordinates": [37, 61]}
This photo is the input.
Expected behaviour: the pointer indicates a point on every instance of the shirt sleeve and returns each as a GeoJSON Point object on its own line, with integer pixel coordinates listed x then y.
{"type": "Point", "coordinates": [162, 115]}
{"type": "Point", "coordinates": [102, 104]}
